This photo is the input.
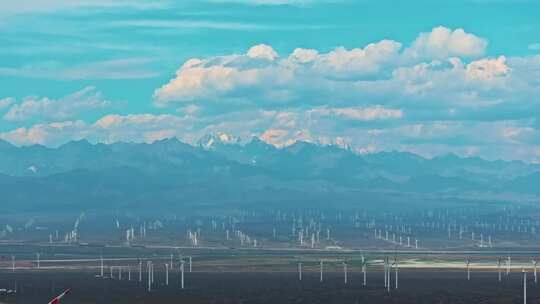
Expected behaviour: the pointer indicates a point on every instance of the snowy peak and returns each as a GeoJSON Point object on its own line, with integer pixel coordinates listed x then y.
{"type": "Point", "coordinates": [209, 141]}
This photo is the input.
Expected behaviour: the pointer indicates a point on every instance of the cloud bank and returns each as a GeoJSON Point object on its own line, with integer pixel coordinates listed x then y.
{"type": "Point", "coordinates": [437, 94]}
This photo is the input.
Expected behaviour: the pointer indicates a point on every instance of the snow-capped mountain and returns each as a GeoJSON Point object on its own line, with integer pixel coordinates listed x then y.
{"type": "Point", "coordinates": [209, 141]}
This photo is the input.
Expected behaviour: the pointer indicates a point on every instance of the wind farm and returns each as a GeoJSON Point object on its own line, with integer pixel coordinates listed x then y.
{"type": "Point", "coordinates": [204, 258]}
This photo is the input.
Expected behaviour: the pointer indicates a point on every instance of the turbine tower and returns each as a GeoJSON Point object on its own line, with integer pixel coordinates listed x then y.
{"type": "Point", "coordinates": [345, 271]}
{"type": "Point", "coordinates": [299, 270]}
{"type": "Point", "coordinates": [364, 266]}
{"type": "Point", "coordinates": [385, 272]}
{"type": "Point", "coordinates": [534, 261]}
{"type": "Point", "coordinates": [101, 266]}
{"type": "Point", "coordinates": [499, 268]}
{"type": "Point", "coordinates": [182, 273]}
{"type": "Point", "coordinates": [396, 265]}
{"type": "Point", "coordinates": [468, 263]}
{"type": "Point", "coordinates": [508, 265]}
{"type": "Point", "coordinates": [321, 278]}
{"type": "Point", "coordinates": [524, 286]}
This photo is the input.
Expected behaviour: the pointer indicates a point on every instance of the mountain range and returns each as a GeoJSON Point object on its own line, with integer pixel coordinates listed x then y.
{"type": "Point", "coordinates": [221, 169]}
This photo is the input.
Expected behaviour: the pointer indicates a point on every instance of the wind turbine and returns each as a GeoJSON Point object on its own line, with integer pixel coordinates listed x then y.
{"type": "Point", "coordinates": [524, 286]}
{"type": "Point", "coordinates": [101, 266]}
{"type": "Point", "coordinates": [58, 298]}
{"type": "Point", "coordinates": [345, 271]}
{"type": "Point", "coordinates": [508, 265]}
{"type": "Point", "coordinates": [140, 270]}
{"type": "Point", "coordinates": [389, 275]}
{"type": "Point", "coordinates": [182, 273]}
{"type": "Point", "coordinates": [167, 274]}
{"type": "Point", "coordinates": [364, 269]}
{"type": "Point", "coordinates": [149, 267]}
{"type": "Point", "coordinates": [299, 270]}
{"type": "Point", "coordinates": [499, 268]}
{"type": "Point", "coordinates": [396, 265]}
{"type": "Point", "coordinates": [385, 273]}
{"type": "Point", "coordinates": [321, 277]}
{"type": "Point", "coordinates": [468, 263]}
{"type": "Point", "coordinates": [534, 261]}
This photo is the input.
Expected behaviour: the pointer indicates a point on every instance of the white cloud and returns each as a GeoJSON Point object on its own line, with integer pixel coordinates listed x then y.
{"type": "Point", "coordinates": [6, 102]}
{"type": "Point", "coordinates": [488, 69]}
{"type": "Point", "coordinates": [343, 63]}
{"type": "Point", "coordinates": [304, 55]}
{"type": "Point", "coordinates": [239, 78]}
{"type": "Point", "coordinates": [191, 24]}
{"type": "Point", "coordinates": [46, 6]}
{"type": "Point", "coordinates": [380, 73]}
{"type": "Point", "coordinates": [262, 51]}
{"type": "Point", "coordinates": [363, 114]}
{"type": "Point", "coordinates": [512, 139]}
{"type": "Point", "coordinates": [443, 42]}
{"type": "Point", "coordinates": [125, 68]}
{"type": "Point", "coordinates": [51, 134]}
{"type": "Point", "coordinates": [275, 2]}
{"type": "Point", "coordinates": [46, 109]}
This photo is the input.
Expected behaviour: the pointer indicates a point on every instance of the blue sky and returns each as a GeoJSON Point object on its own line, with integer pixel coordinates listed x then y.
{"type": "Point", "coordinates": [452, 77]}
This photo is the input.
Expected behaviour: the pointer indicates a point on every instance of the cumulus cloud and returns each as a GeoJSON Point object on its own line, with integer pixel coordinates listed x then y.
{"type": "Point", "coordinates": [443, 42]}
{"type": "Point", "coordinates": [6, 102]}
{"type": "Point", "coordinates": [488, 69]}
{"type": "Point", "coordinates": [262, 51]}
{"type": "Point", "coordinates": [46, 109]}
{"type": "Point", "coordinates": [438, 69]}
{"type": "Point", "coordinates": [51, 134]}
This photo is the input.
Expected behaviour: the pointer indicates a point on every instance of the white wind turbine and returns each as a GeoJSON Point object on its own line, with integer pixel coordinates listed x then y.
{"type": "Point", "coordinates": [321, 276]}
{"type": "Point", "coordinates": [101, 266]}
{"type": "Point", "coordinates": [385, 271]}
{"type": "Point", "coordinates": [499, 268]}
{"type": "Point", "coordinates": [468, 263]}
{"type": "Point", "coordinates": [389, 275]}
{"type": "Point", "coordinates": [508, 265]}
{"type": "Point", "coordinates": [182, 273]}
{"type": "Point", "coordinates": [396, 265]}
{"type": "Point", "coordinates": [299, 270]}
{"type": "Point", "coordinates": [524, 286]}
{"type": "Point", "coordinates": [534, 261]}
{"type": "Point", "coordinates": [345, 271]}
{"type": "Point", "coordinates": [364, 269]}
{"type": "Point", "coordinates": [140, 271]}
